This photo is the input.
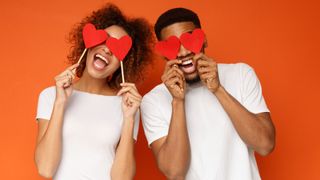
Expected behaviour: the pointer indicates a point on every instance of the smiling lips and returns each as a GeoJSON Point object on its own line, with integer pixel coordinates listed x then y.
{"type": "Point", "coordinates": [187, 66]}
{"type": "Point", "coordinates": [100, 62]}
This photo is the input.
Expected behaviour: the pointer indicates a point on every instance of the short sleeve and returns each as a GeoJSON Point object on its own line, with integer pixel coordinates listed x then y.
{"type": "Point", "coordinates": [136, 125]}
{"type": "Point", "coordinates": [45, 103]}
{"type": "Point", "coordinates": [251, 91]}
{"type": "Point", "coordinates": [154, 124]}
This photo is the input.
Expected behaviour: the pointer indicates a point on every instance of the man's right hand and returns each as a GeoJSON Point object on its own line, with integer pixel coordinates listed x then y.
{"type": "Point", "coordinates": [174, 80]}
{"type": "Point", "coordinates": [64, 83]}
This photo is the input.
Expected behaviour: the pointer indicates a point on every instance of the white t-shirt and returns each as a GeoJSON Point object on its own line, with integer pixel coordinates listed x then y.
{"type": "Point", "coordinates": [217, 151]}
{"type": "Point", "coordinates": [91, 131]}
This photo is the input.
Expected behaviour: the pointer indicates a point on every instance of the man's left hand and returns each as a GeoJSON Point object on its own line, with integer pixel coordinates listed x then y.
{"type": "Point", "coordinates": [208, 71]}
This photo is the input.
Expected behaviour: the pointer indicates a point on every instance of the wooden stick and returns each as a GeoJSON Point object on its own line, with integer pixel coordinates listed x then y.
{"type": "Point", "coordinates": [84, 51]}
{"type": "Point", "coordinates": [122, 73]}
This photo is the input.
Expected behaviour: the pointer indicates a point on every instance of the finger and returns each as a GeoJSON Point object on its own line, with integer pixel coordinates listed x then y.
{"type": "Point", "coordinates": [138, 96]}
{"type": "Point", "coordinates": [178, 70]}
{"type": "Point", "coordinates": [198, 56]}
{"type": "Point", "coordinates": [128, 89]}
{"type": "Point", "coordinates": [134, 97]}
{"type": "Point", "coordinates": [131, 100]}
{"type": "Point", "coordinates": [202, 63]}
{"type": "Point", "coordinates": [69, 72]}
{"type": "Point", "coordinates": [128, 85]}
{"type": "Point", "coordinates": [72, 67]}
{"type": "Point", "coordinates": [178, 82]}
{"type": "Point", "coordinates": [202, 56]}
{"type": "Point", "coordinates": [173, 74]}
{"type": "Point", "coordinates": [208, 75]}
{"type": "Point", "coordinates": [61, 79]}
{"type": "Point", "coordinates": [172, 82]}
{"type": "Point", "coordinates": [63, 83]}
{"type": "Point", "coordinates": [203, 70]}
{"type": "Point", "coordinates": [170, 63]}
{"type": "Point", "coordinates": [167, 75]}
{"type": "Point", "coordinates": [134, 102]}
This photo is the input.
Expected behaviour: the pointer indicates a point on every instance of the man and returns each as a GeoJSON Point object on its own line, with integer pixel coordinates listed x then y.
{"type": "Point", "coordinates": [206, 120]}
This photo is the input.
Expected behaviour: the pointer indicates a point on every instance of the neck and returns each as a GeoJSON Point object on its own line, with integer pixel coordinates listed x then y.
{"type": "Point", "coordinates": [92, 85]}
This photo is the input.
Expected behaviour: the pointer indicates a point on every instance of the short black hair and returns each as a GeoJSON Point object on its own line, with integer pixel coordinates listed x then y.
{"type": "Point", "coordinates": [173, 16]}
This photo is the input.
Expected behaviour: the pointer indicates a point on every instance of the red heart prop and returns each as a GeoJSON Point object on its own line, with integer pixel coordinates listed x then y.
{"type": "Point", "coordinates": [194, 41]}
{"type": "Point", "coordinates": [92, 36]}
{"type": "Point", "coordinates": [169, 48]}
{"type": "Point", "coordinates": [119, 47]}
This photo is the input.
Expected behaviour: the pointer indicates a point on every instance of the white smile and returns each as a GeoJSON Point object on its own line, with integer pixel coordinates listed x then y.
{"type": "Point", "coordinates": [187, 62]}
{"type": "Point", "coordinates": [102, 58]}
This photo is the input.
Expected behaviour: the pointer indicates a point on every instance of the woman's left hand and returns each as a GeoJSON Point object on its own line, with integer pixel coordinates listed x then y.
{"type": "Point", "coordinates": [131, 99]}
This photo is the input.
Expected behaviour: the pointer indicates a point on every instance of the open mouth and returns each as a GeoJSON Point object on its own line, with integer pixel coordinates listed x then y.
{"type": "Point", "coordinates": [100, 62]}
{"type": "Point", "coordinates": [187, 66]}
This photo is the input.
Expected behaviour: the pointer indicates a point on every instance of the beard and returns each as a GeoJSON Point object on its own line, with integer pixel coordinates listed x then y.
{"type": "Point", "coordinates": [193, 80]}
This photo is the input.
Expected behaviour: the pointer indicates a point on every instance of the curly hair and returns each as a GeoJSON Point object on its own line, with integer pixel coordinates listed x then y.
{"type": "Point", "coordinates": [137, 28]}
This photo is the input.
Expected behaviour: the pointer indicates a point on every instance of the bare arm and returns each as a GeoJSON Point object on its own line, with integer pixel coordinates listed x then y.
{"type": "Point", "coordinates": [49, 140]}
{"type": "Point", "coordinates": [124, 166]}
{"type": "Point", "coordinates": [48, 150]}
{"type": "Point", "coordinates": [256, 130]}
{"type": "Point", "coordinates": [173, 151]}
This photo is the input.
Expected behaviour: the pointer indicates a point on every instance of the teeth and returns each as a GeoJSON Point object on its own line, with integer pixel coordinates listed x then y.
{"type": "Point", "coordinates": [101, 57]}
{"type": "Point", "coordinates": [187, 62]}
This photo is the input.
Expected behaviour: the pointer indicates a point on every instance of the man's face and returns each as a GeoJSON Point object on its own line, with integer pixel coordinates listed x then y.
{"type": "Point", "coordinates": [189, 66]}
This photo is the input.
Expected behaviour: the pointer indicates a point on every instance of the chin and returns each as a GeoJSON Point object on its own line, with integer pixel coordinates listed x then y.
{"type": "Point", "coordinates": [192, 78]}
{"type": "Point", "coordinates": [96, 75]}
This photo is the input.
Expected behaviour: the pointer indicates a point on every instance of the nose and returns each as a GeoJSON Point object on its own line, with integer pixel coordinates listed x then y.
{"type": "Point", "coordinates": [183, 52]}
{"type": "Point", "coordinates": [106, 50]}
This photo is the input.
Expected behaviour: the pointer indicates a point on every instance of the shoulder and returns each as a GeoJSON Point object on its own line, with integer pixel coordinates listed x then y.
{"type": "Point", "coordinates": [48, 92]}
{"type": "Point", "coordinates": [234, 68]}
{"type": "Point", "coordinates": [234, 71]}
{"type": "Point", "coordinates": [157, 94]}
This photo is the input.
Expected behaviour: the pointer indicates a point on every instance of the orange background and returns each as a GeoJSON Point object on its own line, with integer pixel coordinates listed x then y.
{"type": "Point", "coordinates": [280, 39]}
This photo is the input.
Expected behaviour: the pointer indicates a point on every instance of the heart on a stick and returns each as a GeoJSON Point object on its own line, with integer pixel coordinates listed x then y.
{"type": "Point", "coordinates": [92, 36]}
{"type": "Point", "coordinates": [119, 47]}
{"type": "Point", "coordinates": [169, 48]}
{"type": "Point", "coordinates": [194, 41]}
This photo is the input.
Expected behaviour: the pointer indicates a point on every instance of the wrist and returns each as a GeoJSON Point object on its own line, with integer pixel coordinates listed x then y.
{"type": "Point", "coordinates": [60, 102]}
{"type": "Point", "coordinates": [177, 101]}
{"type": "Point", "coordinates": [128, 122]}
{"type": "Point", "coordinates": [220, 91]}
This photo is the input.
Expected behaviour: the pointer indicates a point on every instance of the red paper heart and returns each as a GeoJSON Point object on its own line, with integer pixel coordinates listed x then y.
{"type": "Point", "coordinates": [169, 48]}
{"type": "Point", "coordinates": [92, 36]}
{"type": "Point", "coordinates": [194, 41]}
{"type": "Point", "coordinates": [119, 47]}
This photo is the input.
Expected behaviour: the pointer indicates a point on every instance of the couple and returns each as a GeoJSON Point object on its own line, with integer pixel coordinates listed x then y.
{"type": "Point", "coordinates": [204, 122]}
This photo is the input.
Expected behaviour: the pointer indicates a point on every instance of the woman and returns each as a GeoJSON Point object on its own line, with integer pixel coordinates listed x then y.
{"type": "Point", "coordinates": [87, 128]}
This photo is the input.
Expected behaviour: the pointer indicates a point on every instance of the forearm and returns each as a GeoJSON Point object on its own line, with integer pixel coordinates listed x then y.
{"type": "Point", "coordinates": [123, 167]}
{"type": "Point", "coordinates": [256, 133]}
{"type": "Point", "coordinates": [174, 155]}
{"type": "Point", "coordinates": [48, 150]}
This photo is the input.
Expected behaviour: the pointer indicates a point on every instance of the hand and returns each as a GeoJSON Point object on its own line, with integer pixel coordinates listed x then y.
{"type": "Point", "coordinates": [174, 80]}
{"type": "Point", "coordinates": [64, 83]}
{"type": "Point", "coordinates": [131, 99]}
{"type": "Point", "coordinates": [208, 72]}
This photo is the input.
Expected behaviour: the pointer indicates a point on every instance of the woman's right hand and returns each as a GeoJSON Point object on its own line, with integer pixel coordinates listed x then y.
{"type": "Point", "coordinates": [64, 83]}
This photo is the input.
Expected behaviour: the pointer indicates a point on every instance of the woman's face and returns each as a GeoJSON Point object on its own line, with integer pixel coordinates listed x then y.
{"type": "Point", "coordinates": [101, 63]}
